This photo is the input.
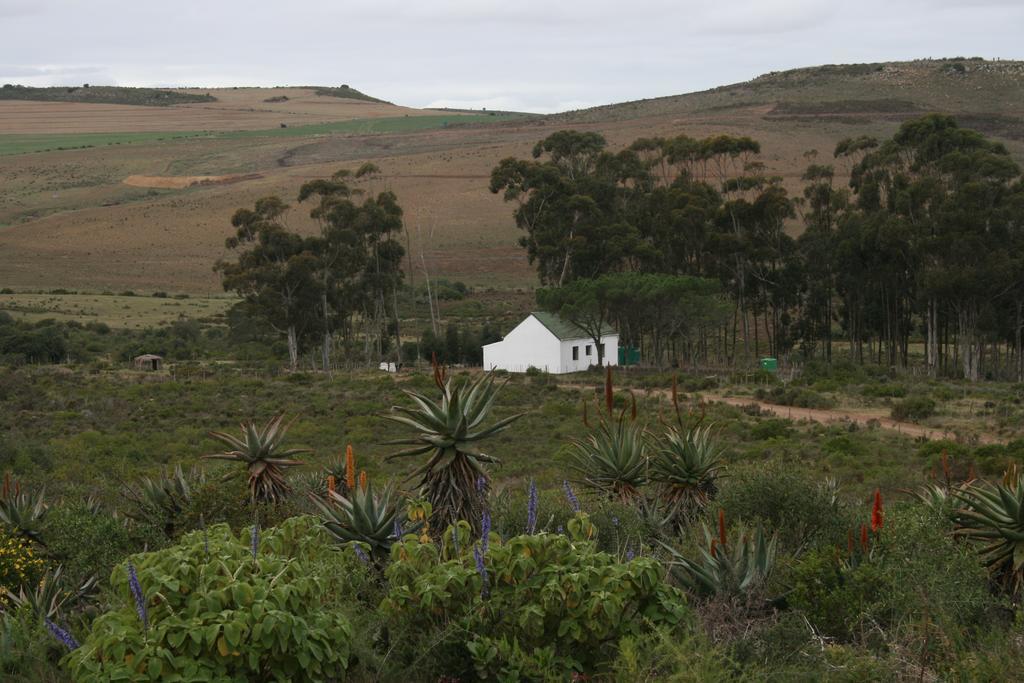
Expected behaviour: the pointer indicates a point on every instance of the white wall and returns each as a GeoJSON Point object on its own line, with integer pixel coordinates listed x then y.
{"type": "Point", "coordinates": [530, 344]}
{"type": "Point", "coordinates": [611, 353]}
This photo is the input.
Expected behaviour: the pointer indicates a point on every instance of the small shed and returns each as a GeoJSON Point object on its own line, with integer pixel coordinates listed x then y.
{"type": "Point", "coordinates": [148, 362]}
{"type": "Point", "coordinates": [547, 342]}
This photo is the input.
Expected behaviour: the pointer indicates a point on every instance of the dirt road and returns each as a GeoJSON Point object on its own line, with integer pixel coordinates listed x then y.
{"type": "Point", "coordinates": [861, 417]}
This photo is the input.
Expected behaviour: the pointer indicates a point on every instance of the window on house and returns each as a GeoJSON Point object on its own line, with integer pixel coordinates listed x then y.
{"type": "Point", "coordinates": [575, 353]}
{"type": "Point", "coordinates": [588, 349]}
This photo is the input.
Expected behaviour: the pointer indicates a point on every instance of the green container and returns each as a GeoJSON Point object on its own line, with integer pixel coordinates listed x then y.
{"type": "Point", "coordinates": [770, 364]}
{"type": "Point", "coordinates": [629, 355]}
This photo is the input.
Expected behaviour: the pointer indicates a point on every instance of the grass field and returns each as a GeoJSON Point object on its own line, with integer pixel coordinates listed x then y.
{"type": "Point", "coordinates": [117, 311]}
{"type": "Point", "coordinates": [71, 222]}
{"type": "Point", "coordinates": [31, 144]}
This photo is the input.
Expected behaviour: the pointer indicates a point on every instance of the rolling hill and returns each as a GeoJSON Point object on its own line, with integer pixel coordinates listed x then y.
{"type": "Point", "coordinates": [68, 219]}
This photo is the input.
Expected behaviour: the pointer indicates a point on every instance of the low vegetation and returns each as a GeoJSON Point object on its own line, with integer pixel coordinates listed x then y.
{"type": "Point", "coordinates": [654, 546]}
{"type": "Point", "coordinates": [102, 94]}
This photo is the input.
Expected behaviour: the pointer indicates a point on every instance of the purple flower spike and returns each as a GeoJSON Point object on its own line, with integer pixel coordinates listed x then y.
{"type": "Point", "coordinates": [255, 540]}
{"type": "Point", "coordinates": [481, 484]}
{"type": "Point", "coordinates": [485, 530]}
{"type": "Point", "coordinates": [574, 502]}
{"type": "Point", "coordinates": [481, 570]}
{"type": "Point", "coordinates": [397, 530]}
{"type": "Point", "coordinates": [630, 555]}
{"type": "Point", "coordinates": [140, 599]}
{"type": "Point", "coordinates": [531, 509]}
{"type": "Point", "coordinates": [360, 554]}
{"type": "Point", "coordinates": [62, 635]}
{"type": "Point", "coordinates": [206, 537]}
{"type": "Point", "coordinates": [455, 539]}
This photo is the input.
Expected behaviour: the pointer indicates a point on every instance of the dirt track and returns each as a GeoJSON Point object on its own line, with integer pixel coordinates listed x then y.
{"type": "Point", "coordinates": [861, 417]}
{"type": "Point", "coordinates": [181, 182]}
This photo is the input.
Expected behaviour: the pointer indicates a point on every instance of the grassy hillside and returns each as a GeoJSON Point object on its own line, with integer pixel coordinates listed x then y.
{"type": "Point", "coordinates": [888, 89]}
{"type": "Point", "coordinates": [72, 222]}
{"type": "Point", "coordinates": [102, 94]}
{"type": "Point", "coordinates": [348, 93]}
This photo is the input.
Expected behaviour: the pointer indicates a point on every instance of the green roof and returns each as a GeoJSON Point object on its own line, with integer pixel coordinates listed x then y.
{"type": "Point", "coordinates": [563, 329]}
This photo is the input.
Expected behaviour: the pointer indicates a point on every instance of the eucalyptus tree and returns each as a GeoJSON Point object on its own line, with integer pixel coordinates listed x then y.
{"type": "Point", "coordinates": [275, 272]}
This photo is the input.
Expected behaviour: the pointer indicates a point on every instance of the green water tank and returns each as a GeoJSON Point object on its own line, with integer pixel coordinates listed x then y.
{"type": "Point", "coordinates": [629, 355]}
{"type": "Point", "coordinates": [770, 364]}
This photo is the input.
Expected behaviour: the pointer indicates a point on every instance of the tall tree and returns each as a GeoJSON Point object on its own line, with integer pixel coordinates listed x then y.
{"type": "Point", "coordinates": [275, 272]}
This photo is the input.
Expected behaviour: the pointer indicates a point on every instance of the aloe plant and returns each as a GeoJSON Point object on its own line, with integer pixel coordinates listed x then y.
{"type": "Point", "coordinates": [49, 596]}
{"type": "Point", "coordinates": [449, 431]}
{"type": "Point", "coordinates": [613, 459]}
{"type": "Point", "coordinates": [161, 500]}
{"type": "Point", "coordinates": [264, 457]}
{"type": "Point", "coordinates": [23, 510]}
{"type": "Point", "coordinates": [686, 465]}
{"type": "Point", "coordinates": [363, 517]}
{"type": "Point", "coordinates": [726, 565]}
{"type": "Point", "coordinates": [993, 514]}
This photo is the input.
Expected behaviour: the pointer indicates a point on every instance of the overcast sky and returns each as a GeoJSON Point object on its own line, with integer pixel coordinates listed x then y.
{"type": "Point", "coordinates": [530, 55]}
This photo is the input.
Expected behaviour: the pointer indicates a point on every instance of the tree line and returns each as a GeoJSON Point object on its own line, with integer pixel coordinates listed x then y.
{"type": "Point", "coordinates": [924, 244]}
{"type": "Point", "coordinates": [338, 286]}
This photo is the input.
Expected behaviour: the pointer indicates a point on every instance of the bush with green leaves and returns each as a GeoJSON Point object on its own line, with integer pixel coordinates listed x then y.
{"type": "Point", "coordinates": [913, 408]}
{"type": "Point", "coordinates": [537, 607]}
{"type": "Point", "coordinates": [802, 510]}
{"type": "Point", "coordinates": [28, 652]}
{"type": "Point", "coordinates": [221, 607]}
{"type": "Point", "coordinates": [22, 562]}
{"type": "Point", "coordinates": [88, 543]}
{"type": "Point", "coordinates": [918, 580]}
{"type": "Point", "coordinates": [229, 502]}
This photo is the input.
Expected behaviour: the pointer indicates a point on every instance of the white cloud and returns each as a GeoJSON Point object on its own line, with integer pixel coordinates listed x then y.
{"type": "Point", "coordinates": [532, 54]}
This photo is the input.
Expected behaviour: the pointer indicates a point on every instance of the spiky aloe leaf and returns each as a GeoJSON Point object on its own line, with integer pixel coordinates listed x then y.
{"type": "Point", "coordinates": [737, 566]}
{"type": "Point", "coordinates": [450, 431]}
{"type": "Point", "coordinates": [613, 459]}
{"type": "Point", "coordinates": [686, 465]}
{"type": "Point", "coordinates": [23, 511]}
{"type": "Point", "coordinates": [264, 456]}
{"type": "Point", "coordinates": [993, 514]}
{"type": "Point", "coordinates": [363, 517]}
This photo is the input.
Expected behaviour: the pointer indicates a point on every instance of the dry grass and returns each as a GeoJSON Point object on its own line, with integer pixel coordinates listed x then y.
{"type": "Point", "coordinates": [235, 109]}
{"type": "Point", "coordinates": [71, 221]}
{"type": "Point", "coordinates": [135, 312]}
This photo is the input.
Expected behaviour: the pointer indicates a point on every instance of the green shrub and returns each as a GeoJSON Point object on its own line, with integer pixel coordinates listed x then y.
{"type": "Point", "coordinates": [803, 510]}
{"type": "Point", "coordinates": [228, 502]}
{"type": "Point", "coordinates": [884, 390]}
{"type": "Point", "coordinates": [550, 607]}
{"type": "Point", "coordinates": [28, 653]}
{"type": "Point", "coordinates": [771, 428]}
{"type": "Point", "coordinates": [222, 614]}
{"type": "Point", "coordinates": [88, 543]}
{"type": "Point", "coordinates": [913, 408]}
{"type": "Point", "coordinates": [21, 563]}
{"type": "Point", "coordinates": [918, 577]}
{"type": "Point", "coordinates": [798, 397]}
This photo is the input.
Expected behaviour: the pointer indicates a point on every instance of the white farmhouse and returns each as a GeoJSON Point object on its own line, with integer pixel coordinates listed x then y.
{"type": "Point", "coordinates": [549, 343]}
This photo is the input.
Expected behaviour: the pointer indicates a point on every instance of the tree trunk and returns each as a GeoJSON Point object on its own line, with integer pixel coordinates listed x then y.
{"type": "Point", "coordinates": [293, 348]}
{"type": "Point", "coordinates": [932, 343]}
{"type": "Point", "coordinates": [968, 324]}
